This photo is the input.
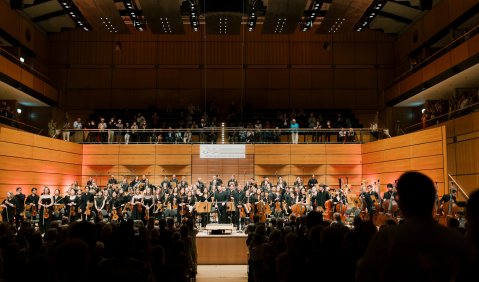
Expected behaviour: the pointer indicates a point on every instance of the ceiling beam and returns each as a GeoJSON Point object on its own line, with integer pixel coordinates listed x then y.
{"type": "Point", "coordinates": [49, 16]}
{"type": "Point", "coordinates": [394, 17]}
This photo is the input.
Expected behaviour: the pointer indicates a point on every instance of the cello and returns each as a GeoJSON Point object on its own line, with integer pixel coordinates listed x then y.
{"type": "Point", "coordinates": [449, 209]}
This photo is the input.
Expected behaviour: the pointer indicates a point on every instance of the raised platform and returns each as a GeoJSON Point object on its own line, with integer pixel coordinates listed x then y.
{"type": "Point", "coordinates": [222, 249]}
{"type": "Point", "coordinates": [219, 228]}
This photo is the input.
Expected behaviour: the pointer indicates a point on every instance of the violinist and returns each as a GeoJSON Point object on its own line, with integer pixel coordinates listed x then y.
{"type": "Point", "coordinates": [366, 199]}
{"type": "Point", "coordinates": [57, 205]}
{"type": "Point", "coordinates": [137, 205]}
{"type": "Point", "coordinates": [86, 202]}
{"type": "Point", "coordinates": [183, 183]}
{"type": "Point", "coordinates": [282, 183]}
{"type": "Point", "coordinates": [8, 205]}
{"type": "Point", "coordinates": [72, 202]}
{"type": "Point", "coordinates": [148, 203]}
{"type": "Point", "coordinates": [31, 205]}
{"type": "Point", "coordinates": [115, 205]}
{"type": "Point", "coordinates": [45, 203]}
{"type": "Point", "coordinates": [100, 205]}
{"type": "Point", "coordinates": [238, 197]}
{"type": "Point", "coordinates": [20, 209]}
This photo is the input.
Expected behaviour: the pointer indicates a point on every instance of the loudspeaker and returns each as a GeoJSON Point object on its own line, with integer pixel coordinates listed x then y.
{"type": "Point", "coordinates": [426, 5]}
{"type": "Point", "coordinates": [16, 4]}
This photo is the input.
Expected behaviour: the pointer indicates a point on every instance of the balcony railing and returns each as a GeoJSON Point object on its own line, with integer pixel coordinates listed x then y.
{"type": "Point", "coordinates": [220, 135]}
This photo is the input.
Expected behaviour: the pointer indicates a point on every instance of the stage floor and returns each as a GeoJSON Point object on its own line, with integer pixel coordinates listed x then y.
{"type": "Point", "coordinates": [222, 249]}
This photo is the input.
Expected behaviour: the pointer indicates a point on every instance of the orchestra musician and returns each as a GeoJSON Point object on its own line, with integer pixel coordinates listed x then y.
{"type": "Point", "coordinates": [31, 207]}
{"type": "Point", "coordinates": [148, 203]}
{"type": "Point", "coordinates": [220, 198]}
{"type": "Point", "coordinates": [238, 197]}
{"type": "Point", "coordinates": [137, 205]}
{"type": "Point", "coordinates": [115, 205]}
{"type": "Point", "coordinates": [321, 198]}
{"type": "Point", "coordinates": [57, 205]}
{"type": "Point", "coordinates": [45, 203]}
{"type": "Point", "coordinates": [72, 202]}
{"type": "Point", "coordinates": [312, 181]}
{"type": "Point", "coordinates": [20, 206]}
{"type": "Point", "coordinates": [200, 197]}
{"type": "Point", "coordinates": [183, 183]}
{"type": "Point", "coordinates": [100, 205]}
{"type": "Point", "coordinates": [282, 183]}
{"type": "Point", "coordinates": [233, 181]}
{"type": "Point", "coordinates": [9, 205]}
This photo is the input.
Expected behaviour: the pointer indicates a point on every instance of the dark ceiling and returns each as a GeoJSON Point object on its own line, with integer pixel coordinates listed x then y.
{"type": "Point", "coordinates": [223, 17]}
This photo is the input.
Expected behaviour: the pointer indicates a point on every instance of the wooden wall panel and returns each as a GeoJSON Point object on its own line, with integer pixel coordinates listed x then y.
{"type": "Point", "coordinates": [308, 159]}
{"type": "Point", "coordinates": [423, 151]}
{"type": "Point", "coordinates": [272, 159]}
{"type": "Point", "coordinates": [29, 160]}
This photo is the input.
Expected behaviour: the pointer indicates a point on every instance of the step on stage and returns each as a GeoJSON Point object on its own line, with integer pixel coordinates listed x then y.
{"type": "Point", "coordinates": [221, 244]}
{"type": "Point", "coordinates": [219, 228]}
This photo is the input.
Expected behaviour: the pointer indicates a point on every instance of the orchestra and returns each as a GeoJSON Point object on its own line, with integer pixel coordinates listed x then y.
{"type": "Point", "coordinates": [216, 203]}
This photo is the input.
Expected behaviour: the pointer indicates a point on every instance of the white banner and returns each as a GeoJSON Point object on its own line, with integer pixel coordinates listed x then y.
{"type": "Point", "coordinates": [223, 151]}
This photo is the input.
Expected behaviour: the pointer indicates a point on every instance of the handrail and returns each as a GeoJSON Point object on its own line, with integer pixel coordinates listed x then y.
{"type": "Point", "coordinates": [434, 56]}
{"type": "Point", "coordinates": [451, 113]}
{"type": "Point", "coordinates": [458, 186]}
{"type": "Point", "coordinates": [25, 66]}
{"type": "Point", "coordinates": [14, 123]}
{"type": "Point", "coordinates": [232, 135]}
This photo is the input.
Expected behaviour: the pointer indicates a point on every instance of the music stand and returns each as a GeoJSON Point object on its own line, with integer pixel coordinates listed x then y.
{"type": "Point", "coordinates": [203, 207]}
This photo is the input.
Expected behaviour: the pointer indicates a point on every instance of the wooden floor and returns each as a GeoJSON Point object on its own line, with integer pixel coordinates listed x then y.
{"type": "Point", "coordinates": [222, 273]}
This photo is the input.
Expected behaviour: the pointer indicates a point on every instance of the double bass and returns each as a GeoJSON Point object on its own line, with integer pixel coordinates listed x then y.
{"type": "Point", "coordinates": [449, 209]}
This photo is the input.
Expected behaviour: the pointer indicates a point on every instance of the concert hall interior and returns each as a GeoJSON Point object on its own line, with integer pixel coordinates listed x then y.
{"type": "Point", "coordinates": [239, 140]}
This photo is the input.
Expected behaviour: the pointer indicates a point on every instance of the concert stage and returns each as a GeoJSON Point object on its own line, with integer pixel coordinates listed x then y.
{"type": "Point", "coordinates": [223, 248]}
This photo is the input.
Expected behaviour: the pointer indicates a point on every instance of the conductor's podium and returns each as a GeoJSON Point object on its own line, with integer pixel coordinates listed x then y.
{"type": "Point", "coordinates": [218, 228]}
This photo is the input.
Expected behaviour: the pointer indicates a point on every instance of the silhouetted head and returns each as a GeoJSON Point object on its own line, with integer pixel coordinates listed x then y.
{"type": "Point", "coordinates": [416, 194]}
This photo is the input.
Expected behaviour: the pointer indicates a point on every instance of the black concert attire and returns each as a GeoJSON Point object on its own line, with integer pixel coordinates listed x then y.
{"type": "Point", "coordinates": [204, 214]}
{"type": "Point", "coordinates": [387, 195]}
{"type": "Point", "coordinates": [86, 199]}
{"type": "Point", "coordinates": [238, 199]}
{"type": "Point", "coordinates": [71, 207]}
{"type": "Point", "coordinates": [221, 198]}
{"type": "Point", "coordinates": [148, 201]}
{"type": "Point", "coordinates": [312, 182]}
{"type": "Point", "coordinates": [446, 198]}
{"type": "Point", "coordinates": [111, 181]}
{"type": "Point", "coordinates": [45, 214]}
{"type": "Point", "coordinates": [137, 209]}
{"type": "Point", "coordinates": [20, 208]}
{"type": "Point", "coordinates": [366, 197]}
{"type": "Point", "coordinates": [99, 203]}
{"type": "Point", "coordinates": [8, 213]}
{"type": "Point", "coordinates": [32, 201]}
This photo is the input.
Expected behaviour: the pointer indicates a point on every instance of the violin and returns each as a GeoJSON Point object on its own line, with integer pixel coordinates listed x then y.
{"type": "Point", "coordinates": [46, 212]}
{"type": "Point", "coordinates": [72, 210]}
{"type": "Point", "coordinates": [114, 215]}
{"type": "Point", "coordinates": [34, 210]}
{"type": "Point", "coordinates": [147, 214]}
{"type": "Point", "coordinates": [139, 207]}
{"type": "Point", "coordinates": [88, 209]}
{"type": "Point", "coordinates": [277, 207]}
